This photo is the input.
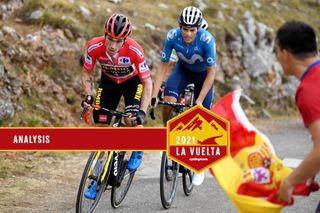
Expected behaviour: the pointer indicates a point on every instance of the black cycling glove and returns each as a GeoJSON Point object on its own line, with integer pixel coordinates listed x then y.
{"type": "Point", "coordinates": [140, 117]}
{"type": "Point", "coordinates": [89, 99]}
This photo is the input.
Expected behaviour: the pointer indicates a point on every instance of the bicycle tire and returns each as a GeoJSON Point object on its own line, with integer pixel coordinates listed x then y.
{"type": "Point", "coordinates": [168, 175]}
{"type": "Point", "coordinates": [187, 181]}
{"type": "Point", "coordinates": [83, 204]}
{"type": "Point", "coordinates": [119, 192]}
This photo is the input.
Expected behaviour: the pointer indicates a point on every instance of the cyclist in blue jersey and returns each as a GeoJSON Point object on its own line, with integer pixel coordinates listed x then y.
{"type": "Point", "coordinates": [195, 48]}
{"type": "Point", "coordinates": [174, 58]}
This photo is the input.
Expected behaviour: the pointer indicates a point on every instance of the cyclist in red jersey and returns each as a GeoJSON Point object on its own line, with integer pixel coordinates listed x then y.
{"type": "Point", "coordinates": [298, 54]}
{"type": "Point", "coordinates": [124, 73]}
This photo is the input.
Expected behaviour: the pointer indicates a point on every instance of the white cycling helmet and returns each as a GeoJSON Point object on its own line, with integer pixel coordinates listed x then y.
{"type": "Point", "coordinates": [204, 24]}
{"type": "Point", "coordinates": [191, 17]}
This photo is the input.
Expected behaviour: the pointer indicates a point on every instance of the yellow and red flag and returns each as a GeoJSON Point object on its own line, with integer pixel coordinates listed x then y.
{"type": "Point", "coordinates": [252, 174]}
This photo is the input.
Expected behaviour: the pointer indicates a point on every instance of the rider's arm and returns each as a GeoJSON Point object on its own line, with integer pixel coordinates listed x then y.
{"type": "Point", "coordinates": [86, 82]}
{"type": "Point", "coordinates": [88, 66]}
{"type": "Point", "coordinates": [210, 55]}
{"type": "Point", "coordinates": [206, 84]}
{"type": "Point", "coordinates": [159, 76]}
{"type": "Point", "coordinates": [164, 65]}
{"type": "Point", "coordinates": [144, 75]}
{"type": "Point", "coordinates": [146, 94]}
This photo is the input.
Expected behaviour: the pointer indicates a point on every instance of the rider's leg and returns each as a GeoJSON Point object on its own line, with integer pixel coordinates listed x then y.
{"type": "Point", "coordinates": [91, 192]}
{"type": "Point", "coordinates": [135, 160]}
{"type": "Point", "coordinates": [198, 179]}
{"type": "Point", "coordinates": [108, 96]}
{"type": "Point", "coordinates": [166, 112]}
{"type": "Point", "coordinates": [175, 84]}
{"type": "Point", "coordinates": [207, 103]}
{"type": "Point", "coordinates": [132, 93]}
{"type": "Point", "coordinates": [132, 97]}
{"type": "Point", "coordinates": [198, 80]}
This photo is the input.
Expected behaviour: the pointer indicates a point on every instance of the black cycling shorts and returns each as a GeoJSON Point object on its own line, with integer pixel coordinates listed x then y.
{"type": "Point", "coordinates": [109, 94]}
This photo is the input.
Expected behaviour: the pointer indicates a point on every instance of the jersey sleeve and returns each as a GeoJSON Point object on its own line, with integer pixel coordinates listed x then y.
{"type": "Point", "coordinates": [173, 56]}
{"type": "Point", "coordinates": [140, 62]}
{"type": "Point", "coordinates": [209, 49]}
{"type": "Point", "coordinates": [89, 58]}
{"type": "Point", "coordinates": [168, 45]}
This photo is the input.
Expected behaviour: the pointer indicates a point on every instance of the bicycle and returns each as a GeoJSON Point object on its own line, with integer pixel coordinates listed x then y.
{"type": "Point", "coordinates": [107, 168]}
{"type": "Point", "coordinates": [170, 169]}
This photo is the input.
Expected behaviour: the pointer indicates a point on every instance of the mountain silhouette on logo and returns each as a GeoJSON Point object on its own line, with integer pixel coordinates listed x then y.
{"type": "Point", "coordinates": [214, 125]}
{"type": "Point", "coordinates": [210, 141]}
{"type": "Point", "coordinates": [191, 126]}
{"type": "Point", "coordinates": [194, 124]}
{"type": "Point", "coordinates": [206, 132]}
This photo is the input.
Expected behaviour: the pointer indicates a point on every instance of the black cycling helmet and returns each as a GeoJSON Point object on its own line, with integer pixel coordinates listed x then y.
{"type": "Point", "coordinates": [190, 17]}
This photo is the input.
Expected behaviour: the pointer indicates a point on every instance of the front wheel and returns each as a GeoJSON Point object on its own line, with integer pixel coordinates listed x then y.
{"type": "Point", "coordinates": [168, 180]}
{"type": "Point", "coordinates": [124, 180]}
{"type": "Point", "coordinates": [187, 181]}
{"type": "Point", "coordinates": [95, 164]}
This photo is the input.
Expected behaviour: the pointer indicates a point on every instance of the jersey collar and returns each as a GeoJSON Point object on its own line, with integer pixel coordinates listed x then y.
{"type": "Point", "coordinates": [308, 69]}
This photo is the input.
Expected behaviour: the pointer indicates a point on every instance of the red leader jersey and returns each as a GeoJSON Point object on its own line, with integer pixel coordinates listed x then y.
{"type": "Point", "coordinates": [129, 61]}
{"type": "Point", "coordinates": [308, 94]}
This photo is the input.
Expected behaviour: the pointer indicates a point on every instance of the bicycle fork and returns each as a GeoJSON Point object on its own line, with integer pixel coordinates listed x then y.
{"type": "Point", "coordinates": [120, 167]}
{"type": "Point", "coordinates": [98, 157]}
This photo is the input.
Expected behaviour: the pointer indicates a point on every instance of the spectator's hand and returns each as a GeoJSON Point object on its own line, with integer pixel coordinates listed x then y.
{"type": "Point", "coordinates": [285, 192]}
{"type": "Point", "coordinates": [140, 117]}
{"type": "Point", "coordinates": [87, 101]}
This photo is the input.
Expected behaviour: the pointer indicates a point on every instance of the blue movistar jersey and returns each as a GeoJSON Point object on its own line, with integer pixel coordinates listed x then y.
{"type": "Point", "coordinates": [197, 56]}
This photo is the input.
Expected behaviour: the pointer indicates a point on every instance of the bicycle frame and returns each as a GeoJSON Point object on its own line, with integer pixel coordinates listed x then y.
{"type": "Point", "coordinates": [110, 156]}
{"type": "Point", "coordinates": [177, 106]}
{"type": "Point", "coordinates": [175, 168]}
{"type": "Point", "coordinates": [112, 165]}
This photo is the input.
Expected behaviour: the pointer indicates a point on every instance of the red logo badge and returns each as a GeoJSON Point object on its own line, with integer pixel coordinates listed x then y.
{"type": "Point", "coordinates": [198, 138]}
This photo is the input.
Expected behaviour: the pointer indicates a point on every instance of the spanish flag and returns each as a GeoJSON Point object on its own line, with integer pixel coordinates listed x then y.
{"type": "Point", "coordinates": [252, 174]}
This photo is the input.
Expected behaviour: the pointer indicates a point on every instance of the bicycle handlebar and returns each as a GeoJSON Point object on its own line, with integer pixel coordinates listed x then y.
{"type": "Point", "coordinates": [112, 112]}
{"type": "Point", "coordinates": [86, 111]}
{"type": "Point", "coordinates": [172, 104]}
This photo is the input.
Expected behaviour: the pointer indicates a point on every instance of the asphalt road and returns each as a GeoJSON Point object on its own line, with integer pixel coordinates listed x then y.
{"type": "Point", "coordinates": [290, 140]}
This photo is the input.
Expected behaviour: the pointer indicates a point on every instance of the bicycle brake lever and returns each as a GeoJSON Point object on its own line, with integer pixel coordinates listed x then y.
{"type": "Point", "coordinates": [83, 111]}
{"type": "Point", "coordinates": [86, 117]}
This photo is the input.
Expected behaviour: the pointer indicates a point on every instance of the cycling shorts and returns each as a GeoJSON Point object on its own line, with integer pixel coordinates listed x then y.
{"type": "Point", "coordinates": [109, 94]}
{"type": "Point", "coordinates": [180, 77]}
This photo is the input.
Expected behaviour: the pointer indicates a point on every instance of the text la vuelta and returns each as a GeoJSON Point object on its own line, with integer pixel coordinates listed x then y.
{"type": "Point", "coordinates": [197, 151]}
